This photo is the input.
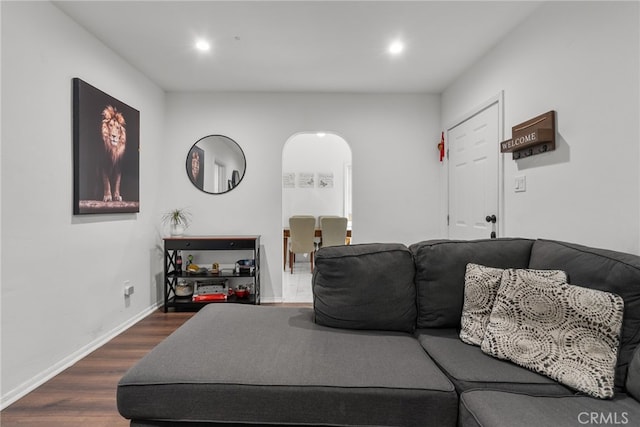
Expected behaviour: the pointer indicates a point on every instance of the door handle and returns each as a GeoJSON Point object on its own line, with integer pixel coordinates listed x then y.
{"type": "Point", "coordinates": [492, 219]}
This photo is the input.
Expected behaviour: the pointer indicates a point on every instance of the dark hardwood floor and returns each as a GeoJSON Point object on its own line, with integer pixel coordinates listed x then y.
{"type": "Point", "coordinates": [85, 394]}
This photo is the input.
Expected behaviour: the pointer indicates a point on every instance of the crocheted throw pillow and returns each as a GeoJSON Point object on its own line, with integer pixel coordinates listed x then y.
{"type": "Point", "coordinates": [568, 333]}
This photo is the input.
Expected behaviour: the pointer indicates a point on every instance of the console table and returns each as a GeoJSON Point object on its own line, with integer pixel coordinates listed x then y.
{"type": "Point", "coordinates": [172, 246]}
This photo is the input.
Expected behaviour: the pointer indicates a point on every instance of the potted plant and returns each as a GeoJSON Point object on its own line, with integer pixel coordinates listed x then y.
{"type": "Point", "coordinates": [178, 220]}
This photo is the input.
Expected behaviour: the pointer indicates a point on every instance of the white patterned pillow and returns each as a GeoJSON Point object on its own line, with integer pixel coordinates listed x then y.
{"type": "Point", "coordinates": [568, 333]}
{"type": "Point", "coordinates": [481, 285]}
{"type": "Point", "coordinates": [480, 288]}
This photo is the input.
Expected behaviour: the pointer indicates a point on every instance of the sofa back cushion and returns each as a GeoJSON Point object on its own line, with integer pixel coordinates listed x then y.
{"type": "Point", "coordinates": [633, 375]}
{"type": "Point", "coordinates": [440, 272]}
{"type": "Point", "coordinates": [366, 286]}
{"type": "Point", "coordinates": [604, 270]}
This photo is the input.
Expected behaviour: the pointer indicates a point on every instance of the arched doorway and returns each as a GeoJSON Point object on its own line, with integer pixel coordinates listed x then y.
{"type": "Point", "coordinates": [316, 180]}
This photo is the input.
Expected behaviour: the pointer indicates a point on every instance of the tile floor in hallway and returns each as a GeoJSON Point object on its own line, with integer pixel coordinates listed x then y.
{"type": "Point", "coordinates": [296, 287]}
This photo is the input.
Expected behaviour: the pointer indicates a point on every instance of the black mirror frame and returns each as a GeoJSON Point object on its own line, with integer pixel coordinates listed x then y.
{"type": "Point", "coordinates": [236, 177]}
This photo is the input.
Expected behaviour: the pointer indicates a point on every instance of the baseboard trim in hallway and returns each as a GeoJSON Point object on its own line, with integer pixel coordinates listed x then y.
{"type": "Point", "coordinates": [35, 382]}
{"type": "Point", "coordinates": [84, 394]}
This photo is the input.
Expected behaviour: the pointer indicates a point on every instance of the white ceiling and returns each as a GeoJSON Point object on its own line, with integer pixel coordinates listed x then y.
{"type": "Point", "coordinates": [304, 46]}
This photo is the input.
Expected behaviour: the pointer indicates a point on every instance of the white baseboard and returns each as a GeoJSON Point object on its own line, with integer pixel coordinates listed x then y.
{"type": "Point", "coordinates": [44, 376]}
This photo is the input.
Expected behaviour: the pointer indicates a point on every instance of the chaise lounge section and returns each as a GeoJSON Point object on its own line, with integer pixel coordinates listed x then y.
{"type": "Point", "coordinates": [381, 347]}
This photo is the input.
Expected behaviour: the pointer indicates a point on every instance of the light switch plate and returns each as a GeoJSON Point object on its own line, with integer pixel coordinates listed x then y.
{"type": "Point", "coordinates": [520, 184]}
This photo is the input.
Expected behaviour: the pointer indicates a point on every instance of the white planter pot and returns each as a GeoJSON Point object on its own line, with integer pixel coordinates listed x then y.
{"type": "Point", "coordinates": [177, 229]}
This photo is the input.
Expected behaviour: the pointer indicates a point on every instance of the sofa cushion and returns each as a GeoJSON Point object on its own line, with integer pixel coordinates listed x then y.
{"type": "Point", "coordinates": [440, 270]}
{"type": "Point", "coordinates": [480, 288]}
{"type": "Point", "coordinates": [633, 375]}
{"type": "Point", "coordinates": [486, 408]}
{"type": "Point", "coordinates": [468, 367]}
{"type": "Point", "coordinates": [367, 286]}
{"type": "Point", "coordinates": [273, 365]}
{"type": "Point", "coordinates": [566, 332]}
{"type": "Point", "coordinates": [605, 270]}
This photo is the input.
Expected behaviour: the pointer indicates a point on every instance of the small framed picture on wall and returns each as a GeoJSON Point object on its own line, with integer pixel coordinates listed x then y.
{"type": "Point", "coordinates": [195, 166]}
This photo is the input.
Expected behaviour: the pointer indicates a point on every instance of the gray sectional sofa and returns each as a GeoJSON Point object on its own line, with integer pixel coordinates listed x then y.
{"type": "Point", "coordinates": [382, 347]}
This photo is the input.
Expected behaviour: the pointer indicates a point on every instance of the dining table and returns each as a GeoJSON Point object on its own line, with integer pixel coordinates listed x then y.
{"type": "Point", "coordinates": [286, 233]}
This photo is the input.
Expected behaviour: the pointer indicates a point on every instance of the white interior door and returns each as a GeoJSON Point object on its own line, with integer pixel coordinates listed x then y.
{"type": "Point", "coordinates": [473, 175]}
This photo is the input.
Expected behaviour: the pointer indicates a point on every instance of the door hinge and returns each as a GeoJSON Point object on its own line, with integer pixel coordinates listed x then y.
{"type": "Point", "coordinates": [447, 220]}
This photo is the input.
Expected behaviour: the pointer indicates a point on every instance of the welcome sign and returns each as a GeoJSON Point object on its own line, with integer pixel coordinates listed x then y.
{"type": "Point", "coordinates": [535, 136]}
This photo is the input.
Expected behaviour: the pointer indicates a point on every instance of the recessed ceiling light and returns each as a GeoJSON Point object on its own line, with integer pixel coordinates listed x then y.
{"type": "Point", "coordinates": [396, 47]}
{"type": "Point", "coordinates": [202, 45]}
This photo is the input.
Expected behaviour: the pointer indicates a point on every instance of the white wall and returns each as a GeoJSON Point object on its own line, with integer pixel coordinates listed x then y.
{"type": "Point", "coordinates": [389, 135]}
{"type": "Point", "coordinates": [580, 59]}
{"type": "Point", "coordinates": [63, 275]}
{"type": "Point", "coordinates": [310, 153]}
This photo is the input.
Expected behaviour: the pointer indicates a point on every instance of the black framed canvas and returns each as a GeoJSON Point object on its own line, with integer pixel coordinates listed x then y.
{"type": "Point", "coordinates": [106, 156]}
{"type": "Point", "coordinates": [195, 166]}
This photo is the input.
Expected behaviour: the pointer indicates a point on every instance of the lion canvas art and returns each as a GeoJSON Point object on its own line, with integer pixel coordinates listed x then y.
{"type": "Point", "coordinates": [114, 138]}
{"type": "Point", "coordinates": [106, 152]}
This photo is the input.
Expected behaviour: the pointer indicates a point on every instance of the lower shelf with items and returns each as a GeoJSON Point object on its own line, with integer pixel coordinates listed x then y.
{"type": "Point", "coordinates": [179, 303]}
{"type": "Point", "coordinates": [214, 289]}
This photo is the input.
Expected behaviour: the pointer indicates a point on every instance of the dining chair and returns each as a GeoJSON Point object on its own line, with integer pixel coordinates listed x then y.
{"type": "Point", "coordinates": [302, 234]}
{"type": "Point", "coordinates": [319, 226]}
{"type": "Point", "coordinates": [334, 231]}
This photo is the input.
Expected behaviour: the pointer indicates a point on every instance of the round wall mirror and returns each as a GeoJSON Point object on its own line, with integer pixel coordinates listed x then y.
{"type": "Point", "coordinates": [216, 164]}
